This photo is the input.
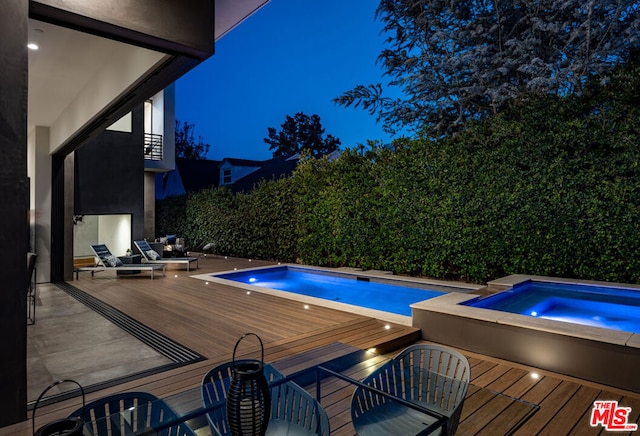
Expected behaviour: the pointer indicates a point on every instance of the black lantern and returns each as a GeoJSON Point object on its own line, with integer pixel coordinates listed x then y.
{"type": "Point", "coordinates": [61, 427]}
{"type": "Point", "coordinates": [248, 399]}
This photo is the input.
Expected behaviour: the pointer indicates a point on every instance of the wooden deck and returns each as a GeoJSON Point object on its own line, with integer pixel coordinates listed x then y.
{"type": "Point", "coordinates": [210, 318]}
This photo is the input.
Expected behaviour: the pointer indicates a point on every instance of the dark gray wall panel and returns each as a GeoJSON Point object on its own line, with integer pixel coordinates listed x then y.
{"type": "Point", "coordinates": [14, 197]}
{"type": "Point", "coordinates": [109, 172]}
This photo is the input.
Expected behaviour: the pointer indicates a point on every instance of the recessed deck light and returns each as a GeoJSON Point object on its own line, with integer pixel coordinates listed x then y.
{"type": "Point", "coordinates": [306, 306]}
{"type": "Point", "coordinates": [535, 375]}
{"type": "Point", "coordinates": [387, 327]}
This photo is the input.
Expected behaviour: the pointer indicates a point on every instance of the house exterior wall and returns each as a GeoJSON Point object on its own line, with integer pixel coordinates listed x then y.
{"type": "Point", "coordinates": [14, 194]}
{"type": "Point", "coordinates": [109, 173]}
{"type": "Point", "coordinates": [39, 172]}
{"type": "Point", "coordinates": [163, 113]}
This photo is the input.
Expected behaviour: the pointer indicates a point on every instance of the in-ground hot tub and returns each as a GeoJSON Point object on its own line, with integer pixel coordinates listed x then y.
{"type": "Point", "coordinates": [594, 337]}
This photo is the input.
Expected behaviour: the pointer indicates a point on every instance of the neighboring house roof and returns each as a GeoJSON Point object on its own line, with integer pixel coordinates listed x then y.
{"type": "Point", "coordinates": [188, 176]}
{"type": "Point", "coordinates": [243, 162]}
{"type": "Point", "coordinates": [271, 170]}
{"type": "Point", "coordinates": [198, 174]}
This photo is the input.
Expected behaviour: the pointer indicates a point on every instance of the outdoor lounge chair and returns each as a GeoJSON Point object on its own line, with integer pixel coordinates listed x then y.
{"type": "Point", "coordinates": [431, 376]}
{"type": "Point", "coordinates": [150, 256]}
{"type": "Point", "coordinates": [109, 262]}
{"type": "Point", "coordinates": [142, 413]}
{"type": "Point", "coordinates": [293, 410]}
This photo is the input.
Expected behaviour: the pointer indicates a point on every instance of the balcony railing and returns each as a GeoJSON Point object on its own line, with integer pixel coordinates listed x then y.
{"type": "Point", "coordinates": [152, 146]}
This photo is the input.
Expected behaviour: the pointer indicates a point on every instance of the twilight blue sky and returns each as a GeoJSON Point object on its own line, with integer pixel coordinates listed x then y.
{"type": "Point", "coordinates": [291, 56]}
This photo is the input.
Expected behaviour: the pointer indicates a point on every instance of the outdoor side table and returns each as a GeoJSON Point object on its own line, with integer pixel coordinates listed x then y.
{"type": "Point", "coordinates": [134, 259]}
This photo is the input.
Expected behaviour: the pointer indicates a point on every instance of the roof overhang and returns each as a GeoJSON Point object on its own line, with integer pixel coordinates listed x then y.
{"type": "Point", "coordinates": [79, 81]}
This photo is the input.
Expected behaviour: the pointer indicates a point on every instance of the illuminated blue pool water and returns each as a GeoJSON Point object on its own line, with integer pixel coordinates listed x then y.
{"type": "Point", "coordinates": [598, 306]}
{"type": "Point", "coordinates": [358, 291]}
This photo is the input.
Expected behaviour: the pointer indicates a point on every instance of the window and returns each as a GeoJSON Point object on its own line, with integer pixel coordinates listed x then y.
{"type": "Point", "coordinates": [226, 176]}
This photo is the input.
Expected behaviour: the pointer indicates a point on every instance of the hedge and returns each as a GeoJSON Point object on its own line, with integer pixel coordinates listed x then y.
{"type": "Point", "coordinates": [550, 187]}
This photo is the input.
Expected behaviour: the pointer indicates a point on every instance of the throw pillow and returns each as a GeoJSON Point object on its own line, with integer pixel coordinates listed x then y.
{"type": "Point", "coordinates": [171, 239]}
{"type": "Point", "coordinates": [151, 254]}
{"type": "Point", "coordinates": [111, 260]}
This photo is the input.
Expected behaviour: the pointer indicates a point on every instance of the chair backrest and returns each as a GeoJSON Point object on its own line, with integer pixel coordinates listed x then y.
{"type": "Point", "coordinates": [102, 252]}
{"type": "Point", "coordinates": [143, 248]}
{"type": "Point", "coordinates": [31, 266]}
{"type": "Point", "coordinates": [214, 388]}
{"type": "Point", "coordinates": [436, 376]}
{"type": "Point", "coordinates": [293, 410]}
{"type": "Point", "coordinates": [447, 370]}
{"type": "Point", "coordinates": [138, 411]}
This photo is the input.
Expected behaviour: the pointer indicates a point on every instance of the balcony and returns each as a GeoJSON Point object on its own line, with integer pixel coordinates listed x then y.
{"type": "Point", "coordinates": [153, 146]}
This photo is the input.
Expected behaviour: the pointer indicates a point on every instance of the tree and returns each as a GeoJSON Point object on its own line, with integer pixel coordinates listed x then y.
{"type": "Point", "coordinates": [302, 132]}
{"type": "Point", "coordinates": [186, 145]}
{"type": "Point", "coordinates": [459, 59]}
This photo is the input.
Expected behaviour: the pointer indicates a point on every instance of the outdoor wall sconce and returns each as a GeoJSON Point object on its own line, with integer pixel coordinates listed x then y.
{"type": "Point", "coordinates": [248, 399]}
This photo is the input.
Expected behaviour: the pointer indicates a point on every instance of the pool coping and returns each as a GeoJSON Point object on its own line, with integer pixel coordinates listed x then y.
{"type": "Point", "coordinates": [444, 319]}
{"type": "Point", "coordinates": [381, 276]}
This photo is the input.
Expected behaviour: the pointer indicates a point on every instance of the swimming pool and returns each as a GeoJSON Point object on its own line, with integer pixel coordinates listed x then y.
{"type": "Point", "coordinates": [357, 290]}
{"type": "Point", "coordinates": [585, 329]}
{"type": "Point", "coordinates": [339, 302]}
{"type": "Point", "coordinates": [597, 306]}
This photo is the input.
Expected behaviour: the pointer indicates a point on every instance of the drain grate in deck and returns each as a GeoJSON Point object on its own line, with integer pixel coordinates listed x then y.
{"type": "Point", "coordinates": [162, 344]}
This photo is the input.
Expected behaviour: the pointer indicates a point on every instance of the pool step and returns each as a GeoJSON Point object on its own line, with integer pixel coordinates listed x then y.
{"type": "Point", "coordinates": [362, 333]}
{"type": "Point", "coordinates": [349, 269]}
{"type": "Point", "coordinates": [378, 272]}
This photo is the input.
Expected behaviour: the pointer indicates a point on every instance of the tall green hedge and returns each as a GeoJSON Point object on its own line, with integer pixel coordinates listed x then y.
{"type": "Point", "coordinates": [259, 224]}
{"type": "Point", "coordinates": [551, 187]}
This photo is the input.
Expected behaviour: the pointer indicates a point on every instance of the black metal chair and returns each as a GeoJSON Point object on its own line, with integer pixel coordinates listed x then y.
{"type": "Point", "coordinates": [31, 288]}
{"type": "Point", "coordinates": [130, 413]}
{"type": "Point", "coordinates": [432, 376]}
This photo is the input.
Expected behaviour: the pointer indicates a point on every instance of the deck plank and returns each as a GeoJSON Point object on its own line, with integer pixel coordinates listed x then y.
{"type": "Point", "coordinates": [573, 413]}
{"type": "Point", "coordinates": [549, 408]}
